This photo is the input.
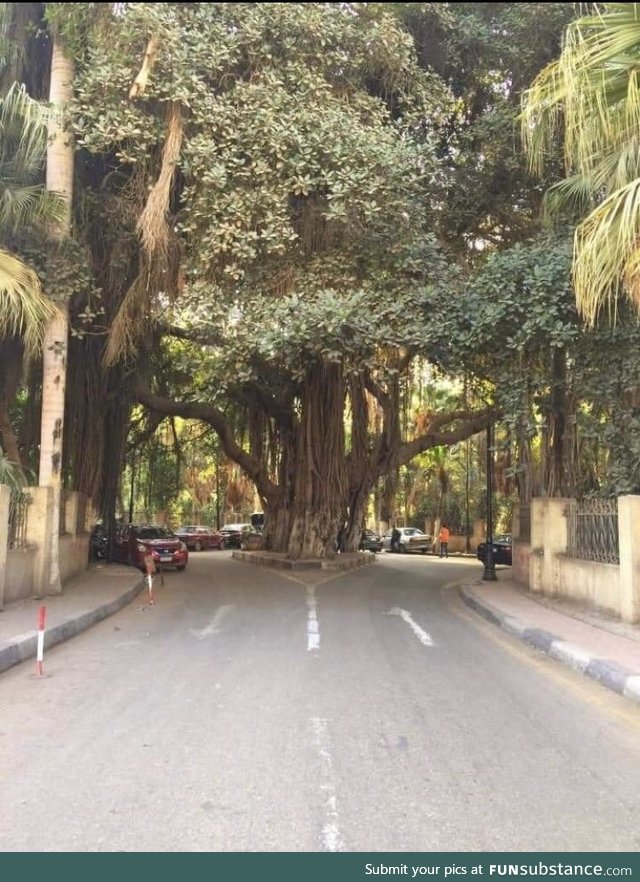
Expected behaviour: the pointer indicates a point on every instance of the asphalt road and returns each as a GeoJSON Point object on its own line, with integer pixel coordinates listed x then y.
{"type": "Point", "coordinates": [249, 711]}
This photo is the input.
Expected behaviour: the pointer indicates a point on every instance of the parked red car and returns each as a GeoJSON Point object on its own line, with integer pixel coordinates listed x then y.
{"type": "Point", "coordinates": [200, 538]}
{"type": "Point", "coordinates": [167, 550]}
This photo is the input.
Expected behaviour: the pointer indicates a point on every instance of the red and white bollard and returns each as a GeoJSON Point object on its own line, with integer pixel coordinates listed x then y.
{"type": "Point", "coordinates": [42, 618]}
{"type": "Point", "coordinates": [150, 568]}
{"type": "Point", "coordinates": [150, 588]}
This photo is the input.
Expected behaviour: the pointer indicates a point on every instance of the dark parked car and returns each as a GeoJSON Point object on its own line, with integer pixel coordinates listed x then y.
{"type": "Point", "coordinates": [502, 547]}
{"type": "Point", "coordinates": [200, 538]}
{"type": "Point", "coordinates": [134, 542]}
{"type": "Point", "coordinates": [232, 534]}
{"type": "Point", "coordinates": [98, 542]}
{"type": "Point", "coordinates": [370, 541]}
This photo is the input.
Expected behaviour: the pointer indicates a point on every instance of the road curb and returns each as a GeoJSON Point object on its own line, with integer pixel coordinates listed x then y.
{"type": "Point", "coordinates": [608, 673]}
{"type": "Point", "coordinates": [341, 563]}
{"type": "Point", "coordinates": [24, 646]}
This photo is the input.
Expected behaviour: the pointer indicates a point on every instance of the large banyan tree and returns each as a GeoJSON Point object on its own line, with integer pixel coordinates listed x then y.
{"type": "Point", "coordinates": [276, 165]}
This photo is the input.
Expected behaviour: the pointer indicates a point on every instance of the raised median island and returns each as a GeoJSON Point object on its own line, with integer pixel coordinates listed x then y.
{"type": "Point", "coordinates": [282, 562]}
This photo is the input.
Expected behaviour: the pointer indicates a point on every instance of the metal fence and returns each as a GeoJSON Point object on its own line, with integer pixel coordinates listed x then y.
{"type": "Point", "coordinates": [592, 530]}
{"type": "Point", "coordinates": [19, 503]}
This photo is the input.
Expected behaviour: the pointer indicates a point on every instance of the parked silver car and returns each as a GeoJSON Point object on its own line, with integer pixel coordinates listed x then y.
{"type": "Point", "coordinates": [410, 539]}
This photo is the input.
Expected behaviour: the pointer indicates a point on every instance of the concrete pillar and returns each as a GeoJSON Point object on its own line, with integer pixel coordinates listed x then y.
{"type": "Point", "coordinates": [39, 526]}
{"type": "Point", "coordinates": [548, 542]}
{"type": "Point", "coordinates": [555, 542]}
{"type": "Point", "coordinates": [536, 560]}
{"type": "Point", "coordinates": [479, 534]}
{"type": "Point", "coordinates": [5, 495]}
{"type": "Point", "coordinates": [90, 516]}
{"type": "Point", "coordinates": [71, 508]}
{"type": "Point", "coordinates": [629, 539]}
{"type": "Point", "coordinates": [515, 521]}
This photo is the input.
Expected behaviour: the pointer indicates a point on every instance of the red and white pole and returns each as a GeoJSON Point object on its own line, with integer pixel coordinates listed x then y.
{"type": "Point", "coordinates": [150, 588]}
{"type": "Point", "coordinates": [42, 618]}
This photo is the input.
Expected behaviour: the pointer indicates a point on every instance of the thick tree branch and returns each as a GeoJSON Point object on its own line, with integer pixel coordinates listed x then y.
{"type": "Point", "coordinates": [191, 335]}
{"type": "Point", "coordinates": [277, 407]}
{"type": "Point", "coordinates": [377, 391]}
{"type": "Point", "coordinates": [155, 418]}
{"type": "Point", "coordinates": [470, 424]}
{"type": "Point", "coordinates": [139, 85]}
{"type": "Point", "coordinates": [253, 394]}
{"type": "Point", "coordinates": [215, 418]}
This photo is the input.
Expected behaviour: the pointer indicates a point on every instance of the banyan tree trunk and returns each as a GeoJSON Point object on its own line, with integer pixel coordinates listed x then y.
{"type": "Point", "coordinates": [319, 478]}
{"type": "Point", "coordinates": [355, 522]}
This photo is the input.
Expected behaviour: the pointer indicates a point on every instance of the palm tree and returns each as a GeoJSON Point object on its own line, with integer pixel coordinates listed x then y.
{"type": "Point", "coordinates": [25, 205]}
{"type": "Point", "coordinates": [60, 161]}
{"type": "Point", "coordinates": [42, 136]}
{"type": "Point", "coordinates": [592, 95]}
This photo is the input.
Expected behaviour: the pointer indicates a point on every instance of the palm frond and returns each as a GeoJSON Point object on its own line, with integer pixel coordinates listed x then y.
{"type": "Point", "coordinates": [592, 82]}
{"type": "Point", "coordinates": [12, 474]}
{"type": "Point", "coordinates": [607, 258]}
{"type": "Point", "coordinates": [24, 126]}
{"type": "Point", "coordinates": [24, 309]}
{"type": "Point", "coordinates": [24, 199]}
{"type": "Point", "coordinates": [574, 193]}
{"type": "Point", "coordinates": [591, 95]}
{"type": "Point", "coordinates": [22, 207]}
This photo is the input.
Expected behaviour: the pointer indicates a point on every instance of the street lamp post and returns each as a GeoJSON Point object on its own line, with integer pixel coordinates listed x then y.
{"type": "Point", "coordinates": [217, 490]}
{"type": "Point", "coordinates": [489, 574]}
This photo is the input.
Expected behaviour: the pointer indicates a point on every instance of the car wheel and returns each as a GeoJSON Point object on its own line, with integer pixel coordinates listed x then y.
{"type": "Point", "coordinates": [182, 568]}
{"type": "Point", "coordinates": [424, 551]}
{"type": "Point", "coordinates": [197, 546]}
{"type": "Point", "coordinates": [403, 549]}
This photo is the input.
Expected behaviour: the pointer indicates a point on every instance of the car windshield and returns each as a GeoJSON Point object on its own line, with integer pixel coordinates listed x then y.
{"type": "Point", "coordinates": [153, 533]}
{"type": "Point", "coordinates": [413, 531]}
{"type": "Point", "coordinates": [505, 539]}
{"type": "Point", "coordinates": [237, 527]}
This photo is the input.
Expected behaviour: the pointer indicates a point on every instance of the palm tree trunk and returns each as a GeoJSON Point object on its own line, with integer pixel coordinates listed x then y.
{"type": "Point", "coordinates": [59, 180]}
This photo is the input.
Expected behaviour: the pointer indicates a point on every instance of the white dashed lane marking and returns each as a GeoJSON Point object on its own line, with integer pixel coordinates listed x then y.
{"type": "Point", "coordinates": [421, 634]}
{"type": "Point", "coordinates": [214, 625]}
{"type": "Point", "coordinates": [313, 628]}
{"type": "Point", "coordinates": [330, 834]}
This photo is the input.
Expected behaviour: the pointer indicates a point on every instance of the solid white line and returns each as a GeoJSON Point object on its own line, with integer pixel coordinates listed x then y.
{"type": "Point", "coordinates": [330, 834]}
{"type": "Point", "coordinates": [313, 628]}
{"type": "Point", "coordinates": [422, 635]}
{"type": "Point", "coordinates": [214, 625]}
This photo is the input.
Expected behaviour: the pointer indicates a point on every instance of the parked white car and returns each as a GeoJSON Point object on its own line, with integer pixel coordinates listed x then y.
{"type": "Point", "coordinates": [411, 539]}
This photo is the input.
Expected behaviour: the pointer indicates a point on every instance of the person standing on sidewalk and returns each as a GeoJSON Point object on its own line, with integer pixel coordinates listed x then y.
{"type": "Point", "coordinates": [444, 540]}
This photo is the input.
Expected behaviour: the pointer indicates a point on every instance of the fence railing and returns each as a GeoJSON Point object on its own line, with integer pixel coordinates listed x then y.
{"type": "Point", "coordinates": [592, 530]}
{"type": "Point", "coordinates": [19, 503]}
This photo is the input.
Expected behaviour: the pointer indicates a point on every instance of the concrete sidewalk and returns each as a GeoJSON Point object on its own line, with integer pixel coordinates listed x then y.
{"type": "Point", "coordinates": [596, 645]}
{"type": "Point", "coordinates": [99, 592]}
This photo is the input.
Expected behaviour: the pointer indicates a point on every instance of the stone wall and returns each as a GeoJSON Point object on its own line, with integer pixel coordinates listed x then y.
{"type": "Point", "coordinates": [552, 572]}
{"type": "Point", "coordinates": [24, 572]}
